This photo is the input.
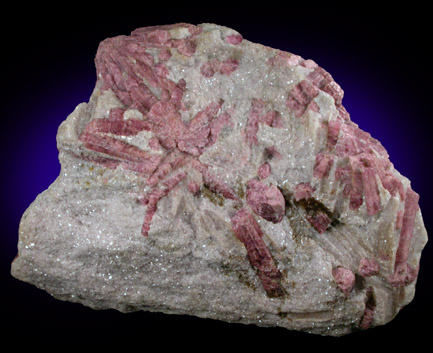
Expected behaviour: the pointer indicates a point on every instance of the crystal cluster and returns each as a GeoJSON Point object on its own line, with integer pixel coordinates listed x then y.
{"type": "Point", "coordinates": [216, 177]}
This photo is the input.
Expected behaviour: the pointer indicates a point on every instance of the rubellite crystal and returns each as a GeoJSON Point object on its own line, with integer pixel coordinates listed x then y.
{"type": "Point", "coordinates": [216, 177]}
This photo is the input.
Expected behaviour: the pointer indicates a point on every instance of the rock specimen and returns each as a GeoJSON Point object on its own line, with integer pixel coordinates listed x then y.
{"type": "Point", "coordinates": [216, 177]}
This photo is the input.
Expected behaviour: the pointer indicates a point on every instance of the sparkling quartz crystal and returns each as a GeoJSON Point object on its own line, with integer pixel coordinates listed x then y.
{"type": "Point", "coordinates": [220, 178]}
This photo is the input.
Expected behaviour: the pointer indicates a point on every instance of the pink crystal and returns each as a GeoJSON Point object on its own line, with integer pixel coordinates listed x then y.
{"type": "Point", "coordinates": [403, 273]}
{"type": "Point", "coordinates": [234, 39]}
{"type": "Point", "coordinates": [369, 311]}
{"type": "Point", "coordinates": [323, 165]}
{"type": "Point", "coordinates": [258, 115]}
{"type": "Point", "coordinates": [368, 267]}
{"type": "Point", "coordinates": [153, 198]}
{"type": "Point", "coordinates": [301, 97]}
{"type": "Point", "coordinates": [248, 231]}
{"type": "Point", "coordinates": [345, 279]}
{"type": "Point", "coordinates": [264, 171]}
{"type": "Point", "coordinates": [266, 201]}
{"type": "Point", "coordinates": [214, 66]}
{"type": "Point", "coordinates": [320, 221]}
{"type": "Point", "coordinates": [303, 191]}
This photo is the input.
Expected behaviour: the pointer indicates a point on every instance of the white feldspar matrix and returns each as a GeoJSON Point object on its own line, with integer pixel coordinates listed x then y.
{"type": "Point", "coordinates": [211, 176]}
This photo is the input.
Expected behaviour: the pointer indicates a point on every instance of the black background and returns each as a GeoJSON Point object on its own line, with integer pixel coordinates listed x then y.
{"type": "Point", "coordinates": [382, 61]}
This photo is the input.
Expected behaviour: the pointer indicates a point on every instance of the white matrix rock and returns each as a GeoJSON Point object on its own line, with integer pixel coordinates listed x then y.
{"type": "Point", "coordinates": [220, 178]}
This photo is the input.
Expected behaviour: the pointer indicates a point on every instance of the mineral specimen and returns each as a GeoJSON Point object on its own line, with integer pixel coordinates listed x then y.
{"type": "Point", "coordinates": [216, 177]}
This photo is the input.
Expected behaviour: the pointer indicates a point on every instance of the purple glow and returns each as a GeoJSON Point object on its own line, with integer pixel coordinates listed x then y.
{"type": "Point", "coordinates": [33, 162]}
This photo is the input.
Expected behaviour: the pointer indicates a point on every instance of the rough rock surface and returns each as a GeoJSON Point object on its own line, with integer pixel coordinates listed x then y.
{"type": "Point", "coordinates": [216, 177]}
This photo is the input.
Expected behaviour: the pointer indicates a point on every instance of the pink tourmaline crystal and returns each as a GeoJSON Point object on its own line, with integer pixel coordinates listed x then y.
{"type": "Point", "coordinates": [345, 279]}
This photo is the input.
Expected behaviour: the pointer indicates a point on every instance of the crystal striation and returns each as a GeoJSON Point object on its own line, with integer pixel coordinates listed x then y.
{"type": "Point", "coordinates": [212, 176]}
